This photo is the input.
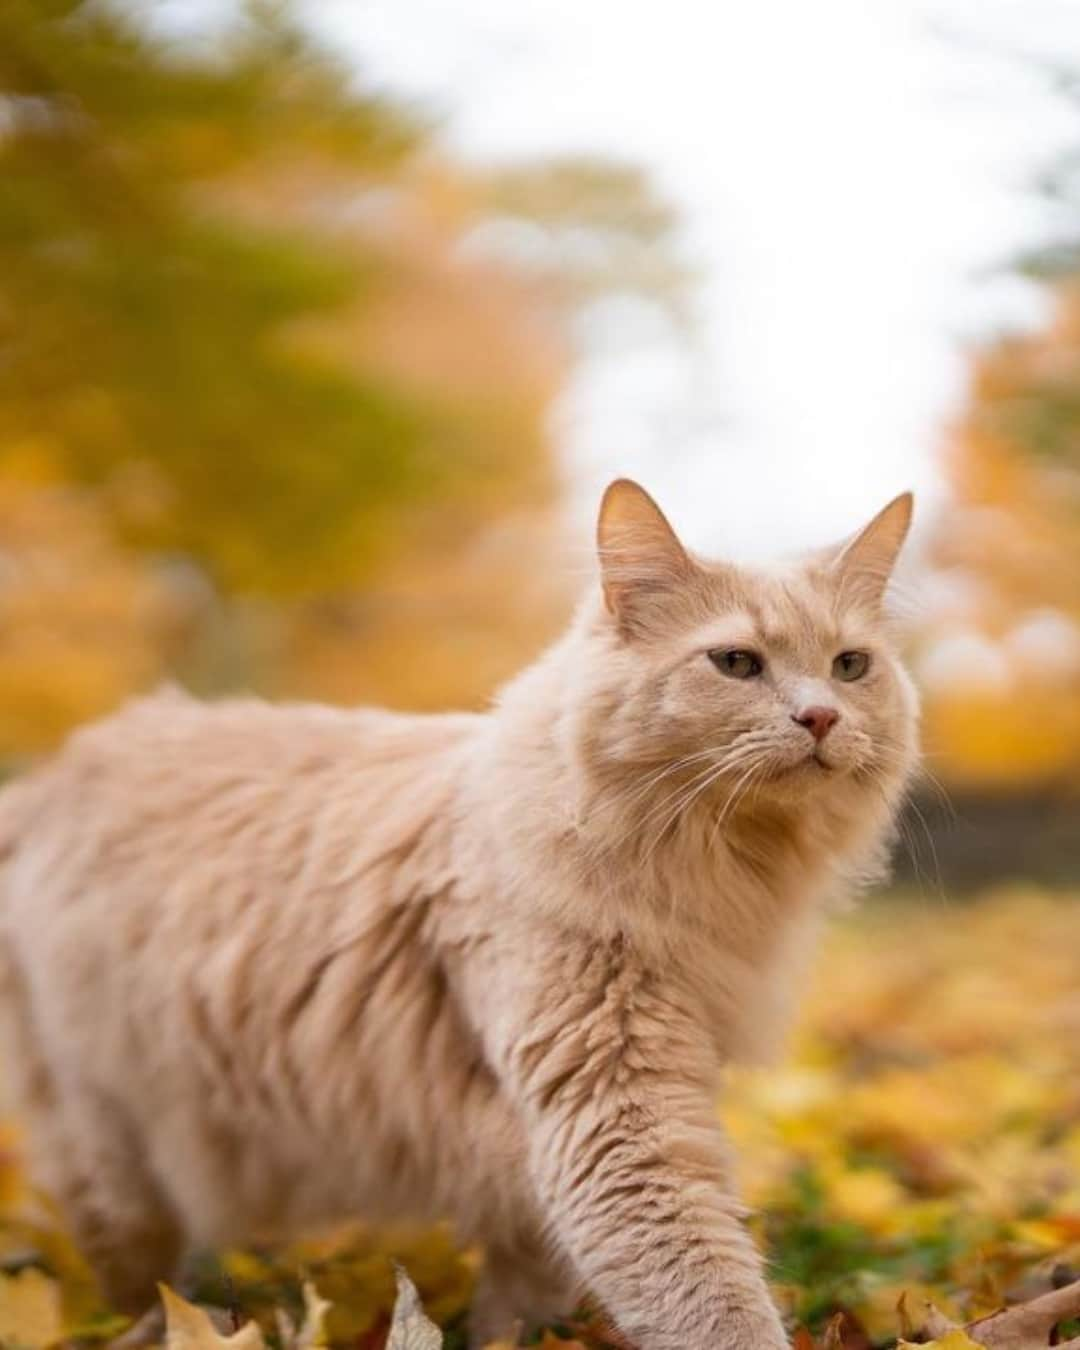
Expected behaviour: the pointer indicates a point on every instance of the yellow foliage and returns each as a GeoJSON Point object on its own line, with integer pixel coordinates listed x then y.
{"type": "Point", "coordinates": [1014, 531]}
{"type": "Point", "coordinates": [80, 618]}
{"type": "Point", "coordinates": [955, 1340]}
{"type": "Point", "coordinates": [983, 736]}
{"type": "Point", "coordinates": [867, 1196]}
{"type": "Point", "coordinates": [30, 1311]}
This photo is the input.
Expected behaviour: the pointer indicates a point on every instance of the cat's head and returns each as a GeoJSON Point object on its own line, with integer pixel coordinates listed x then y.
{"type": "Point", "coordinates": [781, 682]}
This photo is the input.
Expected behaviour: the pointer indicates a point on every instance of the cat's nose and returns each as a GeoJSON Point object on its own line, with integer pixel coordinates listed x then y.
{"type": "Point", "coordinates": [817, 720]}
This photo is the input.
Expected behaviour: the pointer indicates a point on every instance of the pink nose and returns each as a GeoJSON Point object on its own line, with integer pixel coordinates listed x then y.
{"type": "Point", "coordinates": [818, 721]}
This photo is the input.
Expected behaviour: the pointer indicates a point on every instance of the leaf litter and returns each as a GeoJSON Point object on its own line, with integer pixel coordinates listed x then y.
{"type": "Point", "coordinates": [913, 1168]}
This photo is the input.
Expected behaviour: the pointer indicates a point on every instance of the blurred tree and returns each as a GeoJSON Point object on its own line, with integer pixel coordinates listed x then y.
{"type": "Point", "coordinates": [146, 330]}
{"type": "Point", "coordinates": [269, 408]}
{"type": "Point", "coordinates": [1010, 714]}
{"type": "Point", "coordinates": [80, 620]}
{"type": "Point", "coordinates": [589, 227]}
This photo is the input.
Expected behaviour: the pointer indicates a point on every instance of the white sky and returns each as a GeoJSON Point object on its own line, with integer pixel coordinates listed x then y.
{"type": "Point", "coordinates": [850, 174]}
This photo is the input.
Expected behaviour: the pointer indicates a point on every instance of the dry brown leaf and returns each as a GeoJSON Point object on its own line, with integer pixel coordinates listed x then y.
{"type": "Point", "coordinates": [1025, 1326]}
{"type": "Point", "coordinates": [845, 1332]}
{"type": "Point", "coordinates": [907, 1327]}
{"type": "Point", "coordinates": [1028, 1326]}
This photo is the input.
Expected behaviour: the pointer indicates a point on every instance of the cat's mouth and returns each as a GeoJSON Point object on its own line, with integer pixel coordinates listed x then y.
{"type": "Point", "coordinates": [814, 764]}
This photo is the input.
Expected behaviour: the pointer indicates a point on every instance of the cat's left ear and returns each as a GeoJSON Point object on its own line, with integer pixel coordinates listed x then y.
{"type": "Point", "coordinates": [865, 563]}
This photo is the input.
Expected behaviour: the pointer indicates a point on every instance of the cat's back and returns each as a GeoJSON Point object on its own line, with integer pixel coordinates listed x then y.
{"type": "Point", "coordinates": [182, 801]}
{"type": "Point", "coordinates": [214, 918]}
{"type": "Point", "coordinates": [218, 740]}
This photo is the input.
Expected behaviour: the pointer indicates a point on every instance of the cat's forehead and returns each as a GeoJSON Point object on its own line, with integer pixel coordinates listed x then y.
{"type": "Point", "coordinates": [785, 603]}
{"type": "Point", "coordinates": [784, 606]}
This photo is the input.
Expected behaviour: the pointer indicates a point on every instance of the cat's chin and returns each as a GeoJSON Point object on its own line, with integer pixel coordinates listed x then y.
{"type": "Point", "coordinates": [798, 780]}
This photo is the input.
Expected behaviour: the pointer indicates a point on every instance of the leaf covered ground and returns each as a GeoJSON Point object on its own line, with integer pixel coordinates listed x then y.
{"type": "Point", "coordinates": [922, 1139]}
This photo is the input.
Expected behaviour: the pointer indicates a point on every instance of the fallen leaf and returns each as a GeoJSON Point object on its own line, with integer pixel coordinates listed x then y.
{"type": "Point", "coordinates": [953, 1340]}
{"type": "Point", "coordinates": [410, 1327]}
{"type": "Point", "coordinates": [190, 1328]}
{"type": "Point", "coordinates": [846, 1332]}
{"type": "Point", "coordinates": [30, 1310]}
{"type": "Point", "coordinates": [1024, 1326]}
{"type": "Point", "coordinates": [312, 1331]}
{"type": "Point", "coordinates": [1027, 1326]}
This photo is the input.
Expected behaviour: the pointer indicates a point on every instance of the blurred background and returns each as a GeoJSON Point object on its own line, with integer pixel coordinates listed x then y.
{"type": "Point", "coordinates": [322, 325]}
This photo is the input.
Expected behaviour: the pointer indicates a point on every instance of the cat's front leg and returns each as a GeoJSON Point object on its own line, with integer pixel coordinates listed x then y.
{"type": "Point", "coordinates": [631, 1165]}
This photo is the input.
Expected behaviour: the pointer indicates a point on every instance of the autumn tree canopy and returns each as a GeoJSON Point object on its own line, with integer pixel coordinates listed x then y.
{"type": "Point", "coordinates": [1003, 693]}
{"type": "Point", "coordinates": [274, 406]}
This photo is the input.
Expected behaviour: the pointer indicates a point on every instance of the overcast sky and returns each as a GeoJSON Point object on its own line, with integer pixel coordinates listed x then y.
{"type": "Point", "coordinates": [850, 174]}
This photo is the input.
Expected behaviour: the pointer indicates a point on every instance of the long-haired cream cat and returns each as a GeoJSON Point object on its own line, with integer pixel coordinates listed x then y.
{"type": "Point", "coordinates": [270, 966]}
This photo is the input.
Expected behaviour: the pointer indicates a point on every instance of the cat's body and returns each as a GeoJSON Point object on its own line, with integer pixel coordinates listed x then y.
{"type": "Point", "coordinates": [267, 967]}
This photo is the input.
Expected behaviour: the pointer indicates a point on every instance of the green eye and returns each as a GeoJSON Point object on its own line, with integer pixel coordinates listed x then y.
{"type": "Point", "coordinates": [740, 665]}
{"type": "Point", "coordinates": [851, 665]}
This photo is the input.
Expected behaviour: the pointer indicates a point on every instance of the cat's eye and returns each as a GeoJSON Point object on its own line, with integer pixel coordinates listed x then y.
{"type": "Point", "coordinates": [851, 665]}
{"type": "Point", "coordinates": [734, 661]}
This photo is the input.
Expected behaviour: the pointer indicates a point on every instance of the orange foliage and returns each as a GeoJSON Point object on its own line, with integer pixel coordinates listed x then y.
{"type": "Point", "coordinates": [1014, 461]}
{"type": "Point", "coordinates": [80, 618]}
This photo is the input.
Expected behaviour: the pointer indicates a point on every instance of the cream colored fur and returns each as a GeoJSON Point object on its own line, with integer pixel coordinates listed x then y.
{"type": "Point", "coordinates": [271, 966]}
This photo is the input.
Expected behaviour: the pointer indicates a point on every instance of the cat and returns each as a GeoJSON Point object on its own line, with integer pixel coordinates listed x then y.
{"type": "Point", "coordinates": [270, 966]}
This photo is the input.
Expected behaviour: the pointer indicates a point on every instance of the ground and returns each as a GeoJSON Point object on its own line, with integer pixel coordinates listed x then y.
{"type": "Point", "coordinates": [922, 1136]}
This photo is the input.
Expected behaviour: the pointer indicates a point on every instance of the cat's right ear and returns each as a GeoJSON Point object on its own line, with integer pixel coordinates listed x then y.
{"type": "Point", "coordinates": [864, 564]}
{"type": "Point", "coordinates": [640, 554]}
